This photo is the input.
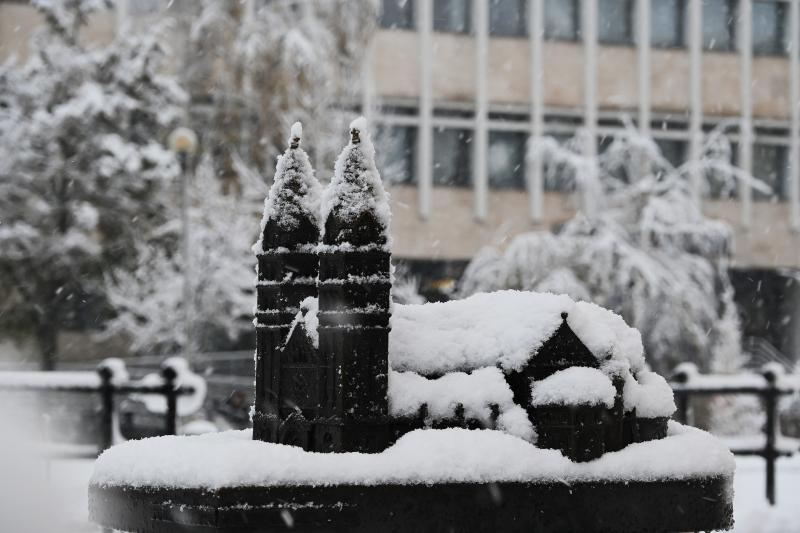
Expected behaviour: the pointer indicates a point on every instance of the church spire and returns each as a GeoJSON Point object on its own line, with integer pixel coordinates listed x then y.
{"type": "Point", "coordinates": [355, 207]}
{"type": "Point", "coordinates": [287, 274]}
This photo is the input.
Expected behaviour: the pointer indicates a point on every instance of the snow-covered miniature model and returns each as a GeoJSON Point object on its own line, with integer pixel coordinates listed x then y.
{"type": "Point", "coordinates": [338, 368]}
{"type": "Point", "coordinates": [493, 413]}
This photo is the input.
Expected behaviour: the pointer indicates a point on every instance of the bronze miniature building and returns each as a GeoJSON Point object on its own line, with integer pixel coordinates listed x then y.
{"type": "Point", "coordinates": [324, 327]}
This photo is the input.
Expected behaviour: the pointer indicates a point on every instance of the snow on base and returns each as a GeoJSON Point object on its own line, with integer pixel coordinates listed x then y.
{"type": "Point", "coordinates": [574, 386]}
{"type": "Point", "coordinates": [232, 458]}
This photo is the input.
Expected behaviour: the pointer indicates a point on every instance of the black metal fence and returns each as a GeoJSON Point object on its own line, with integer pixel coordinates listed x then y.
{"type": "Point", "coordinates": [769, 385]}
{"type": "Point", "coordinates": [112, 382]}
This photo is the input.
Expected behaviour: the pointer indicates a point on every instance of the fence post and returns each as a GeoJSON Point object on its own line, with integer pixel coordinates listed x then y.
{"type": "Point", "coordinates": [170, 394]}
{"type": "Point", "coordinates": [106, 406]}
{"type": "Point", "coordinates": [771, 428]}
{"type": "Point", "coordinates": [681, 375]}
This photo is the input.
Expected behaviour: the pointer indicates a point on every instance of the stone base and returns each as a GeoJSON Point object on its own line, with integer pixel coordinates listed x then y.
{"type": "Point", "coordinates": [659, 506]}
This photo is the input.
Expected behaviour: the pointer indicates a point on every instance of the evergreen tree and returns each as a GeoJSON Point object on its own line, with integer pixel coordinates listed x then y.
{"type": "Point", "coordinates": [149, 300]}
{"type": "Point", "coordinates": [82, 170]}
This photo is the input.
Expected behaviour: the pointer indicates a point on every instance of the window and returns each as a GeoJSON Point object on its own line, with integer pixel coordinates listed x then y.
{"type": "Point", "coordinates": [769, 27]}
{"type": "Point", "coordinates": [673, 151]}
{"type": "Point", "coordinates": [615, 21]}
{"type": "Point", "coordinates": [769, 165]}
{"type": "Point", "coordinates": [561, 20]}
{"type": "Point", "coordinates": [452, 15]}
{"type": "Point", "coordinates": [395, 151]}
{"type": "Point", "coordinates": [719, 23]}
{"type": "Point", "coordinates": [667, 23]}
{"type": "Point", "coordinates": [507, 18]}
{"type": "Point", "coordinates": [452, 157]}
{"type": "Point", "coordinates": [397, 14]}
{"type": "Point", "coordinates": [507, 159]}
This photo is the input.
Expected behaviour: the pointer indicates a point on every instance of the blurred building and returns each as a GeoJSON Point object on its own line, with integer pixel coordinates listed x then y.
{"type": "Point", "coordinates": [457, 87]}
{"type": "Point", "coordinates": [461, 85]}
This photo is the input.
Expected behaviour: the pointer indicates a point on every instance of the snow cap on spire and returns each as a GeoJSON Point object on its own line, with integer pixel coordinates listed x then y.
{"type": "Point", "coordinates": [296, 135]}
{"type": "Point", "coordinates": [355, 207]}
{"type": "Point", "coordinates": [291, 210]}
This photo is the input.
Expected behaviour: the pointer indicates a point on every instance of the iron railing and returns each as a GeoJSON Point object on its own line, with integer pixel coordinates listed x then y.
{"type": "Point", "coordinates": [769, 385]}
{"type": "Point", "coordinates": [110, 381]}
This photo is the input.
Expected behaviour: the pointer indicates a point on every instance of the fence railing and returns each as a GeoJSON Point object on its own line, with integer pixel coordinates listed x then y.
{"type": "Point", "coordinates": [108, 381]}
{"type": "Point", "coordinates": [769, 385]}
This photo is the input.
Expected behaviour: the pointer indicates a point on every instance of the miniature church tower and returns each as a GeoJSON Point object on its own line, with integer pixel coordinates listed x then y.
{"type": "Point", "coordinates": [354, 300]}
{"type": "Point", "coordinates": [287, 274]}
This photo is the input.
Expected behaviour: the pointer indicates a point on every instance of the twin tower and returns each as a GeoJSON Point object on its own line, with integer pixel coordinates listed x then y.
{"type": "Point", "coordinates": [321, 383]}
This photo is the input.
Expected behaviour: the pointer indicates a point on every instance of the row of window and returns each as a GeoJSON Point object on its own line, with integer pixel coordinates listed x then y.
{"type": "Point", "coordinates": [452, 161]}
{"type": "Point", "coordinates": [668, 18]}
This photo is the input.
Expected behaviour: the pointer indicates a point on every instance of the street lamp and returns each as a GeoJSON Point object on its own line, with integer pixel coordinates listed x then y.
{"type": "Point", "coordinates": [183, 142]}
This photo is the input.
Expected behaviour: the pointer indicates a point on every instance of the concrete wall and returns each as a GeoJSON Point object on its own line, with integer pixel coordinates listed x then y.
{"type": "Point", "coordinates": [452, 232]}
{"type": "Point", "coordinates": [18, 23]}
{"type": "Point", "coordinates": [396, 74]}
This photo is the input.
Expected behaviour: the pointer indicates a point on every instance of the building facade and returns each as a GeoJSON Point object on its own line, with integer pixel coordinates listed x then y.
{"type": "Point", "coordinates": [461, 85]}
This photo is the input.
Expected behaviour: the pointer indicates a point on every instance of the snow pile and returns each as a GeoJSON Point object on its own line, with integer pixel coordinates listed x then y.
{"type": "Point", "coordinates": [356, 186]}
{"type": "Point", "coordinates": [505, 329]}
{"type": "Point", "coordinates": [307, 318]}
{"type": "Point", "coordinates": [477, 392]}
{"type": "Point", "coordinates": [295, 193]}
{"type": "Point", "coordinates": [119, 373]}
{"type": "Point", "coordinates": [649, 394]}
{"type": "Point", "coordinates": [44, 380]}
{"type": "Point", "coordinates": [232, 459]}
{"type": "Point", "coordinates": [574, 386]}
{"type": "Point", "coordinates": [187, 403]}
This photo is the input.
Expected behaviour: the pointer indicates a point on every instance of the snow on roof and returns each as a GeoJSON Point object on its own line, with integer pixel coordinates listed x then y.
{"type": "Point", "coordinates": [295, 192]}
{"type": "Point", "coordinates": [505, 329]}
{"type": "Point", "coordinates": [649, 394]}
{"type": "Point", "coordinates": [350, 195]}
{"type": "Point", "coordinates": [232, 458]}
{"type": "Point", "coordinates": [577, 385]}
{"type": "Point", "coordinates": [476, 392]}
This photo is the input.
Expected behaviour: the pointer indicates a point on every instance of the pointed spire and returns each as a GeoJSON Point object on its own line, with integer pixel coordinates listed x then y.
{"type": "Point", "coordinates": [291, 210]}
{"type": "Point", "coordinates": [355, 207]}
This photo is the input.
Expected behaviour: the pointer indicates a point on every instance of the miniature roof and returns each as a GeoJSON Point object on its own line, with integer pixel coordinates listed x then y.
{"type": "Point", "coordinates": [466, 345]}
{"type": "Point", "coordinates": [503, 329]}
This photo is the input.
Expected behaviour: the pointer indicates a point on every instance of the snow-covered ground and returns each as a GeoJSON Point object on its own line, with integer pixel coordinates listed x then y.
{"type": "Point", "coordinates": [65, 498]}
{"type": "Point", "coordinates": [751, 510]}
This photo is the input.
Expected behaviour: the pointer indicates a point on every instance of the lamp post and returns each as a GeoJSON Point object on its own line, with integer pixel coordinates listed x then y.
{"type": "Point", "coordinates": [183, 142]}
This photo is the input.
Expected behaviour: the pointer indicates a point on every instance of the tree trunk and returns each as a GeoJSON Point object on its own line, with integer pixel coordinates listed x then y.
{"type": "Point", "coordinates": [47, 337]}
